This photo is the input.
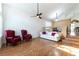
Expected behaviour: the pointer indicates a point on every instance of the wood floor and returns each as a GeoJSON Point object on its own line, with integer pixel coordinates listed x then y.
{"type": "Point", "coordinates": [43, 47]}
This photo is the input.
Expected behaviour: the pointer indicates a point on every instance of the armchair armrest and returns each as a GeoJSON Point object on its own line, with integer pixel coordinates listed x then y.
{"type": "Point", "coordinates": [9, 37]}
{"type": "Point", "coordinates": [27, 35]}
{"type": "Point", "coordinates": [17, 36]}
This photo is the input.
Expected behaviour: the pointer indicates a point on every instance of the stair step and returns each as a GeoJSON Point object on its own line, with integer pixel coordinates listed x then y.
{"type": "Point", "coordinates": [71, 42]}
{"type": "Point", "coordinates": [75, 37]}
{"type": "Point", "coordinates": [75, 40]}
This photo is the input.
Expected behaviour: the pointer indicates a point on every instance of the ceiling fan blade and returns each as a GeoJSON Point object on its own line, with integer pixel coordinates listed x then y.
{"type": "Point", "coordinates": [34, 16]}
{"type": "Point", "coordinates": [40, 14]}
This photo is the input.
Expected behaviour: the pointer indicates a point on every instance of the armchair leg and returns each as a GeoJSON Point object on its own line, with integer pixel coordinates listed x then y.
{"type": "Point", "coordinates": [6, 44]}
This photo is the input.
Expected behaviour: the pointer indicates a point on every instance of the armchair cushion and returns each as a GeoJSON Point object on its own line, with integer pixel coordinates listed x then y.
{"type": "Point", "coordinates": [18, 37]}
{"type": "Point", "coordinates": [28, 36]}
{"type": "Point", "coordinates": [9, 39]}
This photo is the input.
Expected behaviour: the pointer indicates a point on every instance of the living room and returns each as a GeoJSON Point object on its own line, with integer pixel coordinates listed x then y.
{"type": "Point", "coordinates": [48, 24]}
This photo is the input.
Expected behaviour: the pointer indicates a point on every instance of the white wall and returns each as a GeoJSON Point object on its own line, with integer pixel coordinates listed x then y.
{"type": "Point", "coordinates": [48, 23]}
{"type": "Point", "coordinates": [0, 24]}
{"type": "Point", "coordinates": [0, 28]}
{"type": "Point", "coordinates": [16, 17]}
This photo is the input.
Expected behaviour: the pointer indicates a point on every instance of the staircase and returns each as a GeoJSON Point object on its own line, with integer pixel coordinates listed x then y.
{"type": "Point", "coordinates": [71, 41]}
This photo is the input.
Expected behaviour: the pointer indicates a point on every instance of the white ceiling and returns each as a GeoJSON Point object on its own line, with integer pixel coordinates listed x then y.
{"type": "Point", "coordinates": [49, 10]}
{"type": "Point", "coordinates": [63, 10]}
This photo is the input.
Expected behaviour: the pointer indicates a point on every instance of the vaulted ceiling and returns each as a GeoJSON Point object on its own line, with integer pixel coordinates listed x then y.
{"type": "Point", "coordinates": [63, 10]}
{"type": "Point", "coordinates": [49, 10]}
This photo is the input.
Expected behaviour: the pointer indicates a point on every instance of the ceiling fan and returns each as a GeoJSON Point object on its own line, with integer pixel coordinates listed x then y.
{"type": "Point", "coordinates": [38, 14]}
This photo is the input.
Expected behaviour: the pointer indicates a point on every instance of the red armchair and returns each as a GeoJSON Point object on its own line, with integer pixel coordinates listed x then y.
{"type": "Point", "coordinates": [11, 38]}
{"type": "Point", "coordinates": [25, 35]}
